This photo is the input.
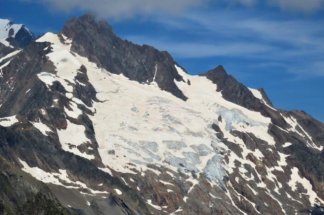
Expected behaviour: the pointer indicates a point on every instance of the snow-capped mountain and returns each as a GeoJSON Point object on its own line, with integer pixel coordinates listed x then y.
{"type": "Point", "coordinates": [93, 124]}
{"type": "Point", "coordinates": [12, 37]}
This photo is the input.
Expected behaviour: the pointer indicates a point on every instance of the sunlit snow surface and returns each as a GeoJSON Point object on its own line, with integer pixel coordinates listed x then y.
{"type": "Point", "coordinates": [138, 124]}
{"type": "Point", "coordinates": [60, 178]}
{"type": "Point", "coordinates": [295, 179]}
{"type": "Point", "coordinates": [297, 128]}
{"type": "Point", "coordinates": [44, 129]}
{"type": "Point", "coordinates": [5, 61]}
{"type": "Point", "coordinates": [8, 121]}
{"type": "Point", "coordinates": [5, 26]}
{"type": "Point", "coordinates": [139, 127]}
{"type": "Point", "coordinates": [257, 94]}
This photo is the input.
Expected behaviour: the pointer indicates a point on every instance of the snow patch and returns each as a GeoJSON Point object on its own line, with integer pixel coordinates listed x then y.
{"type": "Point", "coordinates": [107, 170]}
{"type": "Point", "coordinates": [44, 129]}
{"type": "Point", "coordinates": [149, 201]}
{"type": "Point", "coordinates": [177, 211]}
{"type": "Point", "coordinates": [213, 196]}
{"type": "Point", "coordinates": [10, 55]}
{"type": "Point", "coordinates": [295, 179]}
{"type": "Point", "coordinates": [286, 145]}
{"type": "Point", "coordinates": [118, 192]}
{"type": "Point", "coordinates": [60, 178]}
{"type": "Point", "coordinates": [257, 94]}
{"type": "Point", "coordinates": [8, 121]}
{"type": "Point", "coordinates": [166, 183]}
{"type": "Point", "coordinates": [72, 137]}
{"type": "Point", "coordinates": [75, 112]}
{"type": "Point", "coordinates": [295, 127]}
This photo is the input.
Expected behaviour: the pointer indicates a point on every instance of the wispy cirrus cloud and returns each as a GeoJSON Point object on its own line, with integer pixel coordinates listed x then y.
{"type": "Point", "coordinates": [123, 9]}
{"type": "Point", "coordinates": [297, 45]}
{"type": "Point", "coordinates": [129, 8]}
{"type": "Point", "coordinates": [198, 49]}
{"type": "Point", "coordinates": [234, 24]}
{"type": "Point", "coordinates": [306, 6]}
{"type": "Point", "coordinates": [222, 29]}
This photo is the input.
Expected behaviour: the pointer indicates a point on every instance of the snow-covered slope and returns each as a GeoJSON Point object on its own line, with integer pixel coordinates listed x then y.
{"type": "Point", "coordinates": [131, 117]}
{"type": "Point", "coordinates": [189, 148]}
{"type": "Point", "coordinates": [138, 125]}
{"type": "Point", "coordinates": [9, 30]}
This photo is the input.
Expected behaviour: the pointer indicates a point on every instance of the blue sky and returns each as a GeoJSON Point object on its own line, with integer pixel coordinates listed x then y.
{"type": "Point", "coordinates": [274, 44]}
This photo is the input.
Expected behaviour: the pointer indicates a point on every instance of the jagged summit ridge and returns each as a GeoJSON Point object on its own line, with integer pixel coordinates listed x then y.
{"type": "Point", "coordinates": [14, 35]}
{"type": "Point", "coordinates": [95, 40]}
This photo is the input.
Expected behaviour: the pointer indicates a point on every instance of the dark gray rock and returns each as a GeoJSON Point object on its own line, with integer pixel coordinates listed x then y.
{"type": "Point", "coordinates": [4, 50]}
{"type": "Point", "coordinates": [231, 89]}
{"type": "Point", "coordinates": [95, 40]}
{"type": "Point", "coordinates": [22, 38]}
{"type": "Point", "coordinates": [312, 126]}
{"type": "Point", "coordinates": [234, 91]}
{"type": "Point", "coordinates": [265, 97]}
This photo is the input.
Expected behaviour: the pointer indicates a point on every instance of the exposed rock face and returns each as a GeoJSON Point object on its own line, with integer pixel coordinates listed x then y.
{"type": "Point", "coordinates": [232, 90]}
{"type": "Point", "coordinates": [96, 41]}
{"type": "Point", "coordinates": [14, 35]}
{"type": "Point", "coordinates": [86, 129]}
{"type": "Point", "coordinates": [4, 50]}
{"type": "Point", "coordinates": [236, 92]}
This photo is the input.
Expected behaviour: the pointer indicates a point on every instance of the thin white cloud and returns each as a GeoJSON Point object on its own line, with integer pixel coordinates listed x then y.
{"type": "Point", "coordinates": [318, 68]}
{"type": "Point", "coordinates": [306, 6]}
{"type": "Point", "coordinates": [248, 3]}
{"type": "Point", "coordinates": [295, 44]}
{"type": "Point", "coordinates": [203, 50]}
{"type": "Point", "coordinates": [121, 9]}
{"type": "Point", "coordinates": [295, 33]}
{"type": "Point", "coordinates": [214, 32]}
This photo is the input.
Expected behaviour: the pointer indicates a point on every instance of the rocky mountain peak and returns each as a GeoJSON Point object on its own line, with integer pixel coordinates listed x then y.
{"type": "Point", "coordinates": [94, 39]}
{"type": "Point", "coordinates": [87, 24]}
{"type": "Point", "coordinates": [234, 91]}
{"type": "Point", "coordinates": [14, 35]}
{"type": "Point", "coordinates": [86, 129]}
{"type": "Point", "coordinates": [231, 89]}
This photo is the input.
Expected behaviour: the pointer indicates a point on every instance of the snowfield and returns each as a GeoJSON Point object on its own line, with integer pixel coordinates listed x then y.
{"type": "Point", "coordinates": [133, 117]}
{"type": "Point", "coordinates": [138, 126]}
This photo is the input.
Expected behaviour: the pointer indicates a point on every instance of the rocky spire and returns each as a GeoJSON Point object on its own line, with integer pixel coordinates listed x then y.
{"type": "Point", "coordinates": [234, 91]}
{"type": "Point", "coordinates": [231, 89]}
